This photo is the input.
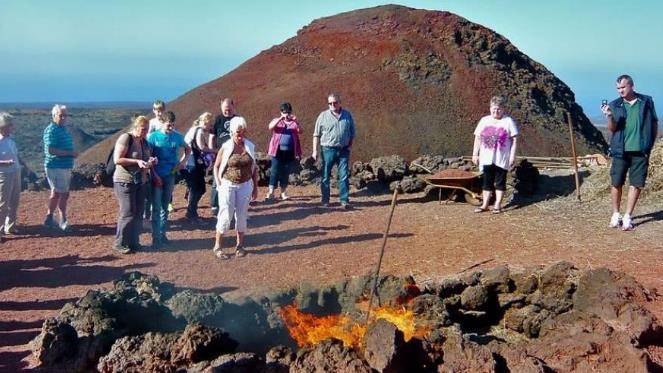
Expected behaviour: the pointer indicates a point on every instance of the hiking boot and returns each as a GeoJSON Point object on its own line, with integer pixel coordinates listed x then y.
{"type": "Point", "coordinates": [616, 220]}
{"type": "Point", "coordinates": [49, 222]}
{"type": "Point", "coordinates": [345, 206]}
{"type": "Point", "coordinates": [12, 231]}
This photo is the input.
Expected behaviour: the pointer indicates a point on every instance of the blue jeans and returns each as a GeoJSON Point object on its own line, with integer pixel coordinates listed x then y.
{"type": "Point", "coordinates": [160, 199]}
{"type": "Point", "coordinates": [330, 157]}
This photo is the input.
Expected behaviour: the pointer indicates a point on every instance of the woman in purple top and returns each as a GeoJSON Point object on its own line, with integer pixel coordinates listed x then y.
{"type": "Point", "coordinates": [284, 148]}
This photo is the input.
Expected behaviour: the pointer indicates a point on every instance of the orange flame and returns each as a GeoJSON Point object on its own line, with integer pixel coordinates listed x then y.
{"type": "Point", "coordinates": [307, 329]}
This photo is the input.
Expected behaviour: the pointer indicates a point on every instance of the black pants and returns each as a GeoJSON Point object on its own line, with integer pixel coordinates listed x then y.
{"type": "Point", "coordinates": [494, 178]}
{"type": "Point", "coordinates": [280, 170]}
{"type": "Point", "coordinates": [131, 198]}
{"type": "Point", "coordinates": [195, 182]}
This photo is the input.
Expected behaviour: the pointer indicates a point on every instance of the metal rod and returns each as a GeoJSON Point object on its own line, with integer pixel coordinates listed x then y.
{"type": "Point", "coordinates": [374, 289]}
{"type": "Point", "coordinates": [575, 157]}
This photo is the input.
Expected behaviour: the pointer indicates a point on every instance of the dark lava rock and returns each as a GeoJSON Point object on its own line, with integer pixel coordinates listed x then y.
{"type": "Point", "coordinates": [474, 298]}
{"type": "Point", "coordinates": [525, 283]}
{"type": "Point", "coordinates": [205, 308]}
{"type": "Point", "coordinates": [198, 343]}
{"type": "Point", "coordinates": [390, 168]}
{"type": "Point", "coordinates": [384, 347]}
{"type": "Point", "coordinates": [279, 359]}
{"type": "Point", "coordinates": [461, 355]}
{"type": "Point", "coordinates": [497, 279]}
{"type": "Point", "coordinates": [431, 309]}
{"type": "Point", "coordinates": [409, 184]}
{"type": "Point", "coordinates": [145, 284]}
{"type": "Point", "coordinates": [614, 297]}
{"type": "Point", "coordinates": [329, 356]}
{"type": "Point", "coordinates": [451, 286]}
{"type": "Point", "coordinates": [56, 343]}
{"type": "Point", "coordinates": [240, 362]}
{"type": "Point", "coordinates": [431, 164]}
{"type": "Point", "coordinates": [525, 178]}
{"type": "Point", "coordinates": [150, 352]}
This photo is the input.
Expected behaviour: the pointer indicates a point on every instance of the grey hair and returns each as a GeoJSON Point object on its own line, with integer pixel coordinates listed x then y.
{"type": "Point", "coordinates": [236, 124]}
{"type": "Point", "coordinates": [628, 79]}
{"type": "Point", "coordinates": [57, 108]}
{"type": "Point", "coordinates": [497, 101]}
{"type": "Point", "coordinates": [6, 119]}
{"type": "Point", "coordinates": [334, 95]}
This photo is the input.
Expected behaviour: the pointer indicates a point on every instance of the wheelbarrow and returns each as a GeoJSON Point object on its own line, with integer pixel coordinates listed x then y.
{"type": "Point", "coordinates": [458, 181]}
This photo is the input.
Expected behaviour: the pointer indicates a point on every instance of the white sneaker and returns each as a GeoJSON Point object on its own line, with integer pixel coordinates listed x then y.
{"type": "Point", "coordinates": [627, 223]}
{"type": "Point", "coordinates": [615, 220]}
{"type": "Point", "coordinates": [284, 196]}
{"type": "Point", "coordinates": [64, 225]}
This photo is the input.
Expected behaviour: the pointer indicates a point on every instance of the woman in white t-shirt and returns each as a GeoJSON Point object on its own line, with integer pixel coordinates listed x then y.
{"type": "Point", "coordinates": [494, 152]}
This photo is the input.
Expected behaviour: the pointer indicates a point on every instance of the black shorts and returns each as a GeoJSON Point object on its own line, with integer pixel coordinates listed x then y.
{"type": "Point", "coordinates": [635, 163]}
{"type": "Point", "coordinates": [494, 178]}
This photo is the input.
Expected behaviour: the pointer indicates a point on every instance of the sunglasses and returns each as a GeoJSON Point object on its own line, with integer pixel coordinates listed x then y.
{"type": "Point", "coordinates": [334, 103]}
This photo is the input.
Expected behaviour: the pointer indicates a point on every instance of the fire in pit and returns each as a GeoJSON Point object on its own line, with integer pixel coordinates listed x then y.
{"type": "Point", "coordinates": [308, 330]}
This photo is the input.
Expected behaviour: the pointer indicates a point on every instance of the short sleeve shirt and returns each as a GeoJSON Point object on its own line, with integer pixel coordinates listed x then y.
{"type": "Point", "coordinates": [496, 137]}
{"type": "Point", "coordinates": [58, 137]}
{"type": "Point", "coordinates": [155, 125]}
{"type": "Point", "coordinates": [335, 132]}
{"type": "Point", "coordinates": [222, 129]}
{"type": "Point", "coordinates": [8, 151]}
{"type": "Point", "coordinates": [165, 147]}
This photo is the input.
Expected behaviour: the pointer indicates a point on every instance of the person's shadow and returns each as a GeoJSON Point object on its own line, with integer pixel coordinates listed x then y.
{"type": "Point", "coordinates": [648, 218]}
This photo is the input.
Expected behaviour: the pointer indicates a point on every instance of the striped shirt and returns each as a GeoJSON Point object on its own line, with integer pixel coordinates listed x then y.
{"type": "Point", "coordinates": [56, 136]}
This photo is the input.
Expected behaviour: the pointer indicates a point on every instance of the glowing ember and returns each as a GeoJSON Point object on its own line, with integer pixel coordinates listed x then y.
{"type": "Point", "coordinates": [307, 329]}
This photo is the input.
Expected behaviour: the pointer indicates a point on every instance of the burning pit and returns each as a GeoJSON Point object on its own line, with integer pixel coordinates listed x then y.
{"type": "Point", "coordinates": [541, 319]}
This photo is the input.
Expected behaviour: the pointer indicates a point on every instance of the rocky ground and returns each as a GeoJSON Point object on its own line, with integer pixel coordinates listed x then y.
{"type": "Point", "coordinates": [296, 241]}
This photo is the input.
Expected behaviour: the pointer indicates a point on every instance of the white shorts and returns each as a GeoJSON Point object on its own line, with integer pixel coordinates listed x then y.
{"type": "Point", "coordinates": [59, 179]}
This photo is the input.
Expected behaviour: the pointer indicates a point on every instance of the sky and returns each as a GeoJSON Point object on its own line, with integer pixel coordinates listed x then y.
{"type": "Point", "coordinates": [129, 50]}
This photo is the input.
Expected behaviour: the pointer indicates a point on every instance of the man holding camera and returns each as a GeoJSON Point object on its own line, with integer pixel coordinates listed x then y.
{"type": "Point", "coordinates": [633, 123]}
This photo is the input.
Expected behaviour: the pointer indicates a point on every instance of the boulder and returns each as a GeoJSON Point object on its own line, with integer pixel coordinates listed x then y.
{"type": "Point", "coordinates": [236, 363]}
{"type": "Point", "coordinates": [390, 168]}
{"type": "Point", "coordinates": [329, 356]}
{"type": "Point", "coordinates": [56, 343]}
{"type": "Point", "coordinates": [385, 347]}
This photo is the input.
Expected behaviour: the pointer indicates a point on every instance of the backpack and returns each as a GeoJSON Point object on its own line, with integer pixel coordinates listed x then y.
{"type": "Point", "coordinates": [110, 162]}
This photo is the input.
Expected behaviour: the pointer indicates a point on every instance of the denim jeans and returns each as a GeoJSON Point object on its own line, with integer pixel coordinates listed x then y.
{"type": "Point", "coordinates": [280, 170]}
{"type": "Point", "coordinates": [195, 181]}
{"type": "Point", "coordinates": [131, 198]}
{"type": "Point", "coordinates": [160, 199]}
{"type": "Point", "coordinates": [335, 156]}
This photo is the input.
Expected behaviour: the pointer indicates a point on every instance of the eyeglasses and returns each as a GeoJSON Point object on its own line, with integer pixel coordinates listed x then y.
{"type": "Point", "coordinates": [333, 103]}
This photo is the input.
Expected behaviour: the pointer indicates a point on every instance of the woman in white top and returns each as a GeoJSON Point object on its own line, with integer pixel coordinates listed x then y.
{"type": "Point", "coordinates": [10, 176]}
{"type": "Point", "coordinates": [235, 172]}
{"type": "Point", "coordinates": [494, 152]}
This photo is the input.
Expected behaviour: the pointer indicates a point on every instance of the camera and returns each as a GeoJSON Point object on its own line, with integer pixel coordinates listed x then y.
{"type": "Point", "coordinates": [604, 102]}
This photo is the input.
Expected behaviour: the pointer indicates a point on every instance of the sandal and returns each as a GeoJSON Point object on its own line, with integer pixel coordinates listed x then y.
{"type": "Point", "coordinates": [497, 211]}
{"type": "Point", "coordinates": [240, 252]}
{"type": "Point", "coordinates": [220, 254]}
{"type": "Point", "coordinates": [479, 210]}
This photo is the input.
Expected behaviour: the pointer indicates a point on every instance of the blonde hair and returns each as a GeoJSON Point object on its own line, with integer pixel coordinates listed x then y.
{"type": "Point", "coordinates": [204, 117]}
{"type": "Point", "coordinates": [139, 121]}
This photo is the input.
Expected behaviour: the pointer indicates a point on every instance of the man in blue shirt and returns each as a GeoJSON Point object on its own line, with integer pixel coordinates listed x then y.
{"type": "Point", "coordinates": [59, 157]}
{"type": "Point", "coordinates": [334, 131]}
{"type": "Point", "coordinates": [166, 144]}
{"type": "Point", "coordinates": [633, 123]}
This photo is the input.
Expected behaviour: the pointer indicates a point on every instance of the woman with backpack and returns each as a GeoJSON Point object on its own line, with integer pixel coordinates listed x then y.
{"type": "Point", "coordinates": [201, 158]}
{"type": "Point", "coordinates": [284, 148]}
{"type": "Point", "coordinates": [132, 158]}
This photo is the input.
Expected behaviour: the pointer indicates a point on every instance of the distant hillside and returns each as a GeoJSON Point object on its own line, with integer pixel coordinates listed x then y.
{"type": "Point", "coordinates": [416, 81]}
{"type": "Point", "coordinates": [88, 126]}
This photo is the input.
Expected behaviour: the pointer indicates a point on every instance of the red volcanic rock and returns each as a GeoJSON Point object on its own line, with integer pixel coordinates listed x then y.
{"type": "Point", "coordinates": [416, 82]}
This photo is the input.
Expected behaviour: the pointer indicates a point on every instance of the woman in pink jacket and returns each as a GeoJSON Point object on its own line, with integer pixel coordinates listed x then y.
{"type": "Point", "coordinates": [284, 148]}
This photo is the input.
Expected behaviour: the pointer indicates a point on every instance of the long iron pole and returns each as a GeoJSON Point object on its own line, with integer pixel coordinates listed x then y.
{"type": "Point", "coordinates": [384, 244]}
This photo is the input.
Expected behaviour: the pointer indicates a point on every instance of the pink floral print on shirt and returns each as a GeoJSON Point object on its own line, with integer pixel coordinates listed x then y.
{"type": "Point", "coordinates": [494, 137]}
